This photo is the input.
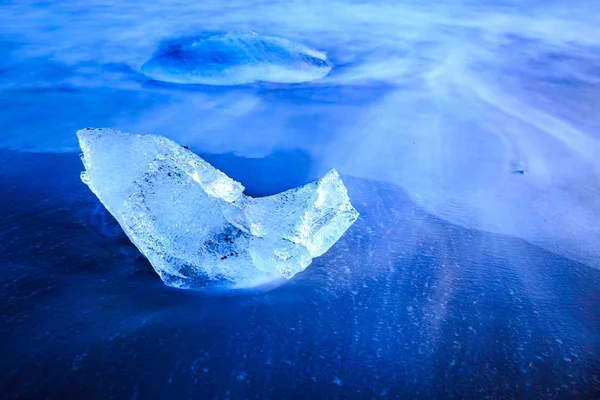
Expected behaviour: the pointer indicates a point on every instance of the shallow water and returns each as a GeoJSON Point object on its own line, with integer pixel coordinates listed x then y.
{"type": "Point", "coordinates": [417, 307]}
{"type": "Point", "coordinates": [466, 132]}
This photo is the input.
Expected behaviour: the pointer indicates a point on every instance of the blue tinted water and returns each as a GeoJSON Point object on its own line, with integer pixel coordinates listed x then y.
{"type": "Point", "coordinates": [404, 305]}
{"type": "Point", "coordinates": [466, 132]}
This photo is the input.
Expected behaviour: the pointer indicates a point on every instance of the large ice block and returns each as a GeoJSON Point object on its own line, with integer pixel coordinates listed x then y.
{"type": "Point", "coordinates": [194, 223]}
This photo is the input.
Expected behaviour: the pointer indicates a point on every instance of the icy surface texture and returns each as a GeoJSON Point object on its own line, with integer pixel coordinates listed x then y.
{"type": "Point", "coordinates": [195, 225]}
{"type": "Point", "coordinates": [233, 59]}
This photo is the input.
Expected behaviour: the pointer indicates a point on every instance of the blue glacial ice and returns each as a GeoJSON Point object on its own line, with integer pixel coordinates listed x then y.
{"type": "Point", "coordinates": [194, 223]}
{"type": "Point", "coordinates": [234, 59]}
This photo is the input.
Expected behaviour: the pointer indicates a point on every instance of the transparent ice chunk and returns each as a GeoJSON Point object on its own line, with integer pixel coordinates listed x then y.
{"type": "Point", "coordinates": [194, 223]}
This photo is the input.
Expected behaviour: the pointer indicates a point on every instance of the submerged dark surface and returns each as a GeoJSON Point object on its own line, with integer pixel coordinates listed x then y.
{"type": "Point", "coordinates": [404, 305]}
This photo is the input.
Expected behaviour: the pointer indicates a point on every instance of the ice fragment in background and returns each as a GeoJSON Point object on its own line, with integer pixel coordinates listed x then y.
{"type": "Point", "coordinates": [195, 225]}
{"type": "Point", "coordinates": [233, 59]}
